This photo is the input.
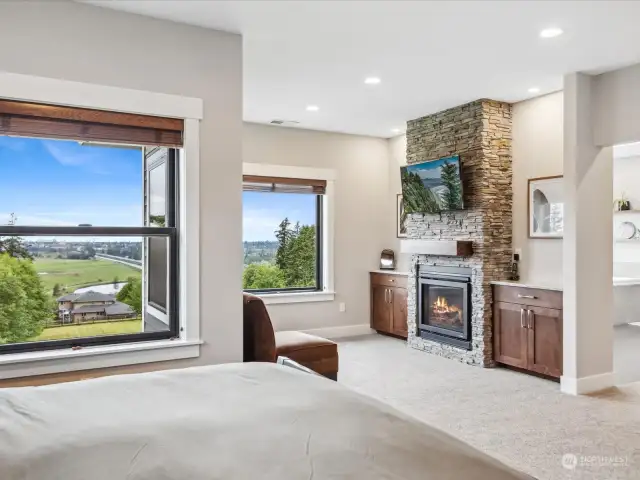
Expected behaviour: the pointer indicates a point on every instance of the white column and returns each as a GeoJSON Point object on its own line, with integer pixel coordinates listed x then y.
{"type": "Point", "coordinates": [587, 247]}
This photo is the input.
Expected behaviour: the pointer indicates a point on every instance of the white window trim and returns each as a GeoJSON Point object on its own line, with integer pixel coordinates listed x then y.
{"type": "Point", "coordinates": [328, 206]}
{"type": "Point", "coordinates": [76, 94]}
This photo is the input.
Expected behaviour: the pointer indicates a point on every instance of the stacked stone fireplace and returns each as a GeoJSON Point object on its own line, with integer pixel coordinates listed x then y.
{"type": "Point", "coordinates": [480, 133]}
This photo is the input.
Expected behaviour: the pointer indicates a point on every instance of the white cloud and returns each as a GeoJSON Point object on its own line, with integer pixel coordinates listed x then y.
{"type": "Point", "coordinates": [88, 159]}
{"type": "Point", "coordinates": [259, 224]}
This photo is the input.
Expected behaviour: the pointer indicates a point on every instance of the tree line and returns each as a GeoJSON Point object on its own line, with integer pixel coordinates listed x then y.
{"type": "Point", "coordinates": [294, 264]}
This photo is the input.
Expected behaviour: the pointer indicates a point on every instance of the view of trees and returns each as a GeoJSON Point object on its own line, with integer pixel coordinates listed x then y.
{"type": "Point", "coordinates": [259, 251]}
{"type": "Point", "coordinates": [452, 196]}
{"type": "Point", "coordinates": [24, 303]}
{"type": "Point", "coordinates": [430, 194]}
{"type": "Point", "coordinates": [294, 264]}
{"type": "Point", "coordinates": [417, 198]}
{"type": "Point", "coordinates": [263, 275]}
{"type": "Point", "coordinates": [14, 246]}
{"type": "Point", "coordinates": [131, 294]}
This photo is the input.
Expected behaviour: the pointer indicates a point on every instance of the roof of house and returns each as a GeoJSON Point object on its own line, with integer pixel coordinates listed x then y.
{"type": "Point", "coordinates": [119, 308]}
{"type": "Point", "coordinates": [70, 297]}
{"type": "Point", "coordinates": [89, 309]}
{"type": "Point", "coordinates": [89, 296]}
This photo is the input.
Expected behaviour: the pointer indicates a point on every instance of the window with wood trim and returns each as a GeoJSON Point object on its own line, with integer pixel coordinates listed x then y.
{"type": "Point", "coordinates": [88, 227]}
{"type": "Point", "coordinates": [282, 234]}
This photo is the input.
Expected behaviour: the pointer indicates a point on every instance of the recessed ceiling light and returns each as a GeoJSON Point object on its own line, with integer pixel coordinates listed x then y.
{"type": "Point", "coordinates": [534, 90]}
{"type": "Point", "coordinates": [312, 108]}
{"type": "Point", "coordinates": [395, 130]}
{"type": "Point", "coordinates": [372, 80]}
{"type": "Point", "coordinates": [551, 32]}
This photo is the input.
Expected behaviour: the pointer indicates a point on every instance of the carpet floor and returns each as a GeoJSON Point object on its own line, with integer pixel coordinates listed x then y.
{"type": "Point", "coordinates": [522, 420]}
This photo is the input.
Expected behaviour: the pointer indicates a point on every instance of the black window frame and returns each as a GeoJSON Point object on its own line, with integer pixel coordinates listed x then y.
{"type": "Point", "coordinates": [170, 232]}
{"type": "Point", "coordinates": [171, 211]}
{"type": "Point", "coordinates": [319, 287]}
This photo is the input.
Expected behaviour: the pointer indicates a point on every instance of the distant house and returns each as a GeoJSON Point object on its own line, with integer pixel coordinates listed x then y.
{"type": "Point", "coordinates": [92, 306]}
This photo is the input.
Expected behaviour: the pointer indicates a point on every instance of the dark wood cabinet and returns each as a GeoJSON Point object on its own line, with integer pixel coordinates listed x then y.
{"type": "Point", "coordinates": [545, 341]}
{"type": "Point", "coordinates": [381, 309]}
{"type": "Point", "coordinates": [510, 337]}
{"type": "Point", "coordinates": [389, 303]}
{"type": "Point", "coordinates": [527, 329]}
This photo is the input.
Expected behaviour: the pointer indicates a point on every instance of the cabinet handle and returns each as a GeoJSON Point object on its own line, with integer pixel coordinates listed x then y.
{"type": "Point", "coordinates": [390, 296]}
{"type": "Point", "coordinates": [532, 297]}
{"type": "Point", "coordinates": [522, 318]}
{"type": "Point", "coordinates": [529, 322]}
{"type": "Point", "coordinates": [385, 295]}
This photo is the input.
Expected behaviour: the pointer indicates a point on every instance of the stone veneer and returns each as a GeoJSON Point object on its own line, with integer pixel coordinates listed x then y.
{"type": "Point", "coordinates": [480, 133]}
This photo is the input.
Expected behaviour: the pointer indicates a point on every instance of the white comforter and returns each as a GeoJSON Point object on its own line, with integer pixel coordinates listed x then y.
{"type": "Point", "coordinates": [229, 422]}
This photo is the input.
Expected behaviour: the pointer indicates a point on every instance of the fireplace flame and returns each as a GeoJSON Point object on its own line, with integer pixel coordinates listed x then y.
{"type": "Point", "coordinates": [441, 305]}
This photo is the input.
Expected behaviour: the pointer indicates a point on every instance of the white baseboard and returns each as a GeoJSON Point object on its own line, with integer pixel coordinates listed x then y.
{"type": "Point", "coordinates": [341, 332]}
{"type": "Point", "coordinates": [584, 385]}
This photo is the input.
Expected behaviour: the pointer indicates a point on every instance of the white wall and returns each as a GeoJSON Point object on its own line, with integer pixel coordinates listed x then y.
{"type": "Point", "coordinates": [588, 244]}
{"type": "Point", "coordinates": [361, 214]}
{"type": "Point", "coordinates": [537, 152]}
{"type": "Point", "coordinates": [84, 43]}
{"type": "Point", "coordinates": [615, 100]}
{"type": "Point", "coordinates": [397, 158]}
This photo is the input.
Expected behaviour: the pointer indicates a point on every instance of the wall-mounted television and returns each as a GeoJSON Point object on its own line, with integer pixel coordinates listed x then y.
{"type": "Point", "coordinates": [433, 186]}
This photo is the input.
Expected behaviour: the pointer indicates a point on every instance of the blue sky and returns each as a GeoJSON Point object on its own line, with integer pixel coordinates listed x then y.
{"type": "Point", "coordinates": [263, 212]}
{"type": "Point", "coordinates": [62, 183]}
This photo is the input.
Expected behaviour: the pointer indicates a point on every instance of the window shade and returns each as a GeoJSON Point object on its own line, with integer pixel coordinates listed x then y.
{"type": "Point", "coordinates": [255, 183]}
{"type": "Point", "coordinates": [52, 121]}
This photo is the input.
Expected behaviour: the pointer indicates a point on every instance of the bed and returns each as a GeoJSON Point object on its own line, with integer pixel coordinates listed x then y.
{"type": "Point", "coordinates": [229, 422]}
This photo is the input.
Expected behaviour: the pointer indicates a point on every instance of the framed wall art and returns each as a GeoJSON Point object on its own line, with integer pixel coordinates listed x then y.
{"type": "Point", "coordinates": [545, 208]}
{"type": "Point", "coordinates": [401, 218]}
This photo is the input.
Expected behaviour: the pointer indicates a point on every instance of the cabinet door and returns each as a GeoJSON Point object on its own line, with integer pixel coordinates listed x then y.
{"type": "Point", "coordinates": [381, 308]}
{"type": "Point", "coordinates": [510, 334]}
{"type": "Point", "coordinates": [545, 340]}
{"type": "Point", "coordinates": [399, 320]}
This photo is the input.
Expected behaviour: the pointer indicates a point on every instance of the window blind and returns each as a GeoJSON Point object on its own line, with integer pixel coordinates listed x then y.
{"type": "Point", "coordinates": [255, 183]}
{"type": "Point", "coordinates": [53, 121]}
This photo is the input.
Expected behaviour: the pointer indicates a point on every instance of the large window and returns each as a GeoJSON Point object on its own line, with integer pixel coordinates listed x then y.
{"type": "Point", "coordinates": [88, 228]}
{"type": "Point", "coordinates": [282, 234]}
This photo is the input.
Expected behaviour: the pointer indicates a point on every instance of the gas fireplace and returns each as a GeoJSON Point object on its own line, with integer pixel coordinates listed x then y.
{"type": "Point", "coordinates": [444, 296]}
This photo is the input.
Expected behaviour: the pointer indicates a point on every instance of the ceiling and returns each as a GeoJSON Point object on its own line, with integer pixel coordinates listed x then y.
{"type": "Point", "coordinates": [429, 55]}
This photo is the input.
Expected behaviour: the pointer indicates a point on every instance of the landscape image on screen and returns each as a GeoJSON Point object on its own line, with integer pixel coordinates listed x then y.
{"type": "Point", "coordinates": [432, 187]}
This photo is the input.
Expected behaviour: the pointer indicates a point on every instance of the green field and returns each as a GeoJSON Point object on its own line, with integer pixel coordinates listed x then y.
{"type": "Point", "coordinates": [73, 274]}
{"type": "Point", "coordinates": [90, 330]}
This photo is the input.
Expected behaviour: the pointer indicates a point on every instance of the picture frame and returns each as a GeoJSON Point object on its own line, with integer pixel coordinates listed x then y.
{"type": "Point", "coordinates": [401, 218]}
{"type": "Point", "coordinates": [545, 207]}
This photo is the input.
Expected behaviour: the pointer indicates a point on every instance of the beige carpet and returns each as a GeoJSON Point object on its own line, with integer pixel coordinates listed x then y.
{"type": "Point", "coordinates": [522, 420]}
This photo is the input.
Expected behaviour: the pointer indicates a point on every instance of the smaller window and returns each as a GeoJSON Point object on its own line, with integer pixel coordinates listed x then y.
{"type": "Point", "coordinates": [282, 225]}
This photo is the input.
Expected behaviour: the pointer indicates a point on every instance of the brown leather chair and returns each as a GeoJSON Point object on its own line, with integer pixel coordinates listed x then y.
{"type": "Point", "coordinates": [262, 344]}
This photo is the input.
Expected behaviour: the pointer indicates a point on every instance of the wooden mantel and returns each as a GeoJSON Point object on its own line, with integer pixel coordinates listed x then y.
{"type": "Point", "coordinates": [450, 248]}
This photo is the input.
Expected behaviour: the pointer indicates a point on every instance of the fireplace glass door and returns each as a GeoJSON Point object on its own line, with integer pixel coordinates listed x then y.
{"type": "Point", "coordinates": [444, 307]}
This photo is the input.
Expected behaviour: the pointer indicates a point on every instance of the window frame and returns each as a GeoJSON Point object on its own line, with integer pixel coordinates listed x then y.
{"type": "Point", "coordinates": [171, 163]}
{"type": "Point", "coordinates": [170, 233]}
{"type": "Point", "coordinates": [325, 240]}
{"type": "Point", "coordinates": [319, 287]}
{"type": "Point", "coordinates": [31, 88]}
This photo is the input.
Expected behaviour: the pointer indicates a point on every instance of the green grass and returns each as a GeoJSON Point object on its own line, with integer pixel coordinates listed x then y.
{"type": "Point", "coordinates": [90, 330]}
{"type": "Point", "coordinates": [73, 274]}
